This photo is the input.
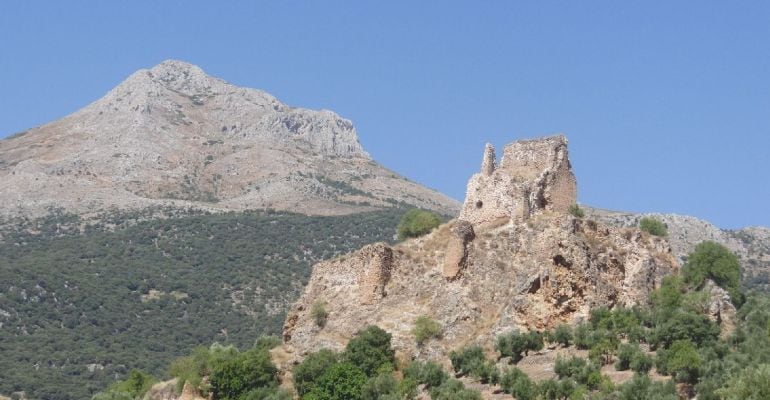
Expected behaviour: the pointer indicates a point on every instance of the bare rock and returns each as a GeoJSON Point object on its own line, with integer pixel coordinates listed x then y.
{"type": "Point", "coordinates": [720, 308]}
{"type": "Point", "coordinates": [173, 136]}
{"type": "Point", "coordinates": [534, 176]}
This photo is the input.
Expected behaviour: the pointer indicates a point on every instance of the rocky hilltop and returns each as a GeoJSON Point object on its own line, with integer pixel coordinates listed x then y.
{"type": "Point", "coordinates": [514, 259]}
{"type": "Point", "coordinates": [752, 244]}
{"type": "Point", "coordinates": [172, 135]}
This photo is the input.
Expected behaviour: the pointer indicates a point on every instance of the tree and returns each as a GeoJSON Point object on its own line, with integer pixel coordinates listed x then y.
{"type": "Point", "coordinates": [416, 223]}
{"type": "Point", "coordinates": [381, 385]}
{"type": "Point", "coordinates": [429, 373]}
{"type": "Point", "coordinates": [370, 350]}
{"type": "Point", "coordinates": [343, 381]}
{"type": "Point", "coordinates": [249, 370]}
{"type": "Point", "coordinates": [467, 359]}
{"type": "Point", "coordinates": [452, 389]}
{"type": "Point", "coordinates": [425, 328]}
{"type": "Point", "coordinates": [681, 360]}
{"type": "Point", "coordinates": [653, 226]}
{"type": "Point", "coordinates": [514, 344]}
{"type": "Point", "coordinates": [563, 335]}
{"type": "Point", "coordinates": [311, 368]}
{"type": "Point", "coordinates": [750, 384]}
{"type": "Point", "coordinates": [517, 383]}
{"type": "Point", "coordinates": [711, 260]}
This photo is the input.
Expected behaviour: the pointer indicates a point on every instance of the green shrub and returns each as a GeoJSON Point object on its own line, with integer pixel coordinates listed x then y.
{"type": "Point", "coordinates": [626, 353]}
{"type": "Point", "coordinates": [641, 363]}
{"type": "Point", "coordinates": [452, 389]}
{"type": "Point", "coordinates": [379, 386]}
{"type": "Point", "coordinates": [750, 383]}
{"type": "Point", "coordinates": [583, 336]}
{"type": "Point", "coordinates": [685, 325]}
{"type": "Point", "coordinates": [579, 369]}
{"type": "Point", "coordinates": [514, 344]}
{"type": "Point", "coordinates": [467, 358]}
{"type": "Point", "coordinates": [370, 350]}
{"type": "Point", "coordinates": [563, 334]}
{"type": "Point", "coordinates": [576, 211]}
{"type": "Point", "coordinates": [429, 373]}
{"type": "Point", "coordinates": [416, 223]}
{"type": "Point", "coordinates": [653, 226]}
{"type": "Point", "coordinates": [518, 384]}
{"type": "Point", "coordinates": [681, 360]}
{"type": "Point", "coordinates": [343, 381]}
{"type": "Point", "coordinates": [134, 387]}
{"type": "Point", "coordinates": [319, 313]}
{"type": "Point", "coordinates": [714, 261]}
{"type": "Point", "coordinates": [268, 393]}
{"type": "Point", "coordinates": [641, 387]}
{"type": "Point", "coordinates": [425, 328]}
{"type": "Point", "coordinates": [249, 370]}
{"type": "Point", "coordinates": [311, 369]}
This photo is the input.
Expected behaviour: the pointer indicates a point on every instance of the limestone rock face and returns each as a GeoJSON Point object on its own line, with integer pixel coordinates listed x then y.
{"type": "Point", "coordinates": [720, 308]}
{"type": "Point", "coordinates": [535, 274]}
{"type": "Point", "coordinates": [174, 136]}
{"type": "Point", "coordinates": [533, 176]}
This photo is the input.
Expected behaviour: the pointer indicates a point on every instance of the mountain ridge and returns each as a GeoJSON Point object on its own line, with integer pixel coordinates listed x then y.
{"type": "Point", "coordinates": [172, 135]}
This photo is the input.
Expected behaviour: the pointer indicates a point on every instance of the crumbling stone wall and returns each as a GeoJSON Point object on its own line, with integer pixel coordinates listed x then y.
{"type": "Point", "coordinates": [534, 175]}
{"type": "Point", "coordinates": [373, 266]}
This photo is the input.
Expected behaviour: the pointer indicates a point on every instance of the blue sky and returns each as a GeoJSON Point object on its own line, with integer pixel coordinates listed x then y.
{"type": "Point", "coordinates": [666, 104]}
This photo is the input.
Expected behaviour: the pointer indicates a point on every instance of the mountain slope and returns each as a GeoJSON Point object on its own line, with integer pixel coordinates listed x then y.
{"type": "Point", "coordinates": [172, 135]}
{"type": "Point", "coordinates": [83, 303]}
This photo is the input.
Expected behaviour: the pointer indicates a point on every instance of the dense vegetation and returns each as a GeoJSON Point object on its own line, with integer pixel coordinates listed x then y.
{"type": "Point", "coordinates": [82, 303]}
{"type": "Point", "coordinates": [416, 223]}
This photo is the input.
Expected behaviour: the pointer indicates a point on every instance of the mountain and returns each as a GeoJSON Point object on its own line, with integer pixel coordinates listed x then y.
{"type": "Point", "coordinates": [514, 259]}
{"type": "Point", "coordinates": [174, 136]}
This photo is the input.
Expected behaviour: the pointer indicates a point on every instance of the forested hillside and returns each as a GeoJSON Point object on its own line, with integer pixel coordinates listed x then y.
{"type": "Point", "coordinates": [82, 303]}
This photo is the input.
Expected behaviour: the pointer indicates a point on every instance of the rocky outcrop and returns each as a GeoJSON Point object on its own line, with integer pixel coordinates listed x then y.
{"type": "Point", "coordinates": [534, 176]}
{"type": "Point", "coordinates": [751, 245]}
{"type": "Point", "coordinates": [173, 136]}
{"type": "Point", "coordinates": [720, 309]}
{"type": "Point", "coordinates": [479, 280]}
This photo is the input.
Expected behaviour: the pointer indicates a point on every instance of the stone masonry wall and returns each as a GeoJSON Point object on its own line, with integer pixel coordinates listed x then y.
{"type": "Point", "coordinates": [534, 175]}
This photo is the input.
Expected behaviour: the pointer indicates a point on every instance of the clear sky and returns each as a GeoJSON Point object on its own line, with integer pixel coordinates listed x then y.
{"type": "Point", "coordinates": [666, 104]}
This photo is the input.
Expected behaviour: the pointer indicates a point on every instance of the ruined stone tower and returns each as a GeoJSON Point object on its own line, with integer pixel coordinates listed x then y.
{"type": "Point", "coordinates": [533, 175]}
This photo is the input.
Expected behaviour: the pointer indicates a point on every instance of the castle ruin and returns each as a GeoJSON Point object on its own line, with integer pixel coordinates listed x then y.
{"type": "Point", "coordinates": [533, 176]}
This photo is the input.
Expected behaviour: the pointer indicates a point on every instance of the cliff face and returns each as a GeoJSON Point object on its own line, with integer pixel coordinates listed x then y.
{"type": "Point", "coordinates": [481, 279]}
{"type": "Point", "coordinates": [174, 135]}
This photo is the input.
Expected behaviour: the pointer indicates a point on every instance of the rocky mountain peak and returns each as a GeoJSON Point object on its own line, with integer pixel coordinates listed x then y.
{"type": "Point", "coordinates": [172, 133]}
